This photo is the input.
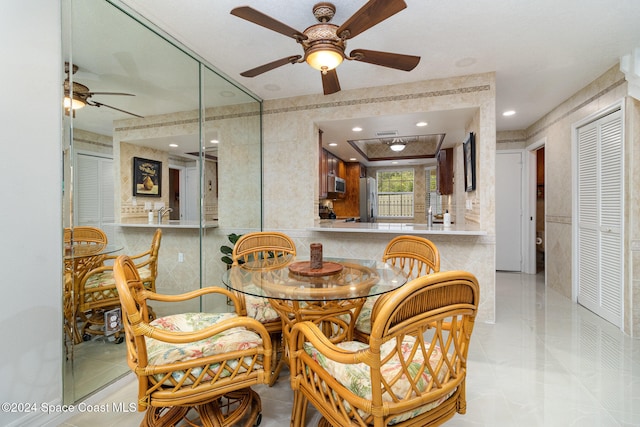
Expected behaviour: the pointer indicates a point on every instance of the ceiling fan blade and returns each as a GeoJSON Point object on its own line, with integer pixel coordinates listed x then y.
{"type": "Point", "coordinates": [100, 104]}
{"type": "Point", "coordinates": [372, 13]}
{"type": "Point", "coordinates": [257, 17]}
{"type": "Point", "coordinates": [386, 59]}
{"type": "Point", "coordinates": [330, 82]}
{"type": "Point", "coordinates": [271, 65]}
{"type": "Point", "coordinates": [110, 93]}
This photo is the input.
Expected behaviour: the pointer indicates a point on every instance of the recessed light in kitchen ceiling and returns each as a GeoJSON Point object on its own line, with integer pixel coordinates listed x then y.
{"type": "Point", "coordinates": [508, 113]}
{"type": "Point", "coordinates": [173, 145]}
{"type": "Point", "coordinates": [421, 124]}
{"type": "Point", "coordinates": [333, 144]}
{"type": "Point", "coordinates": [214, 141]}
{"type": "Point", "coordinates": [357, 129]}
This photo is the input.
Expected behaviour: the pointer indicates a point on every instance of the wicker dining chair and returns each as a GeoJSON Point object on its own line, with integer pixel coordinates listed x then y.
{"type": "Point", "coordinates": [196, 367]}
{"type": "Point", "coordinates": [411, 372]}
{"type": "Point", "coordinates": [97, 291]}
{"type": "Point", "coordinates": [415, 256]}
{"type": "Point", "coordinates": [80, 244]}
{"type": "Point", "coordinates": [277, 248]}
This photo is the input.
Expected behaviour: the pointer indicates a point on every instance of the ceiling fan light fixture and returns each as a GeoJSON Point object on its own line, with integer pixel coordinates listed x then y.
{"type": "Point", "coordinates": [74, 103]}
{"type": "Point", "coordinates": [324, 57]}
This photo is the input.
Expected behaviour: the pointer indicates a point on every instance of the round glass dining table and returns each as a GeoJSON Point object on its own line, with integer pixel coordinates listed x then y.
{"type": "Point", "coordinates": [292, 279]}
{"type": "Point", "coordinates": [331, 296]}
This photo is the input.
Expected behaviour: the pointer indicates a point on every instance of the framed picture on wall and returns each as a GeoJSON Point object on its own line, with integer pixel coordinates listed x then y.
{"type": "Point", "coordinates": [147, 177]}
{"type": "Point", "coordinates": [469, 148]}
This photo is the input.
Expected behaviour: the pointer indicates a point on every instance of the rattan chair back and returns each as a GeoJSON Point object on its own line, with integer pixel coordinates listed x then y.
{"type": "Point", "coordinates": [412, 371]}
{"type": "Point", "coordinates": [416, 256]}
{"type": "Point", "coordinates": [263, 245]}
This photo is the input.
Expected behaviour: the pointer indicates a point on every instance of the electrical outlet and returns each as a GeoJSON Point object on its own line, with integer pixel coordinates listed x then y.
{"type": "Point", "coordinates": [180, 257]}
{"type": "Point", "coordinates": [112, 321]}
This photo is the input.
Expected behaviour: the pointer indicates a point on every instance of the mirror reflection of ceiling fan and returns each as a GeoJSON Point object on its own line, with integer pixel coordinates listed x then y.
{"type": "Point", "coordinates": [77, 96]}
{"type": "Point", "coordinates": [324, 44]}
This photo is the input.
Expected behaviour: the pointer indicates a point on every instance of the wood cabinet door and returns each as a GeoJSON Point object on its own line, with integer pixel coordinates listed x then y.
{"type": "Point", "coordinates": [445, 171]}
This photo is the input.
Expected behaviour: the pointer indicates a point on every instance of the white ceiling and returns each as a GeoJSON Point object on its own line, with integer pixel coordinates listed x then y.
{"type": "Point", "coordinates": [541, 51]}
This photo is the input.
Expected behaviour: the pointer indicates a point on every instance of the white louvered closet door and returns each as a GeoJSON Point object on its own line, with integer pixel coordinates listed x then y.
{"type": "Point", "coordinates": [94, 192]}
{"type": "Point", "coordinates": [600, 211]}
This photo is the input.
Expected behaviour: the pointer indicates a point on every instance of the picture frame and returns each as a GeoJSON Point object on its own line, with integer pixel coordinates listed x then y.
{"type": "Point", "coordinates": [147, 177]}
{"type": "Point", "coordinates": [469, 148]}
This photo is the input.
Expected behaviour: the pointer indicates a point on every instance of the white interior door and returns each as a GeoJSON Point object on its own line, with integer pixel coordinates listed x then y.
{"type": "Point", "coordinates": [509, 211]}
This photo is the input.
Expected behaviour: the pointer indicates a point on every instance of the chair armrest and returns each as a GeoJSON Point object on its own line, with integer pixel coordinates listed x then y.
{"type": "Point", "coordinates": [204, 333]}
{"type": "Point", "coordinates": [308, 331]}
{"type": "Point", "coordinates": [194, 294]}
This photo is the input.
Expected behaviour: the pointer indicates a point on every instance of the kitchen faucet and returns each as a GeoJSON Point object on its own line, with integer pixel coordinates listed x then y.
{"type": "Point", "coordinates": [161, 213]}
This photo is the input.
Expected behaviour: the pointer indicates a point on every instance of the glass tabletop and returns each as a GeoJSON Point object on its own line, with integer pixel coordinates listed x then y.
{"type": "Point", "coordinates": [291, 278]}
{"type": "Point", "coordinates": [82, 251]}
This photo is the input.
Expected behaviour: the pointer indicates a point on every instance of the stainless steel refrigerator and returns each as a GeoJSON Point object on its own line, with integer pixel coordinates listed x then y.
{"type": "Point", "coordinates": [368, 200]}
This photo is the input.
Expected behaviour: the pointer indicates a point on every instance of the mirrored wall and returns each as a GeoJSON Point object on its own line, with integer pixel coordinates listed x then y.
{"type": "Point", "coordinates": [153, 139]}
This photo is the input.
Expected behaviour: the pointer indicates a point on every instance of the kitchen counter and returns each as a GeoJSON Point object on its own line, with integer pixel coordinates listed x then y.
{"type": "Point", "coordinates": [168, 224]}
{"type": "Point", "coordinates": [397, 228]}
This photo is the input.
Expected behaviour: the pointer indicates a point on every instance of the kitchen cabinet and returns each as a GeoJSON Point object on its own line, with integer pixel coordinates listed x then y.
{"type": "Point", "coordinates": [445, 171]}
{"type": "Point", "coordinates": [349, 204]}
{"type": "Point", "coordinates": [335, 166]}
{"type": "Point", "coordinates": [330, 165]}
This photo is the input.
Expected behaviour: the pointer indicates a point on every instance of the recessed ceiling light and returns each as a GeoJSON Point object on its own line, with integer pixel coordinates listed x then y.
{"type": "Point", "coordinates": [352, 159]}
{"type": "Point", "coordinates": [357, 129]}
{"type": "Point", "coordinates": [509, 113]}
{"type": "Point", "coordinates": [214, 141]}
{"type": "Point", "coordinates": [173, 145]}
{"type": "Point", "coordinates": [333, 144]}
{"type": "Point", "coordinates": [394, 163]}
{"type": "Point", "coordinates": [421, 124]}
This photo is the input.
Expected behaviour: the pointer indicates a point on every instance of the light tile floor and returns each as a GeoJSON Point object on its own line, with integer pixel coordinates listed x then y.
{"type": "Point", "coordinates": [545, 362]}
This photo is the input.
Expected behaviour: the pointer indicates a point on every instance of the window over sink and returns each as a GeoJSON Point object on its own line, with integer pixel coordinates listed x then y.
{"type": "Point", "coordinates": [395, 193]}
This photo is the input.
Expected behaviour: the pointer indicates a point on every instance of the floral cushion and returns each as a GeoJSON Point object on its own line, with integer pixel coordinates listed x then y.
{"type": "Point", "coordinates": [234, 339]}
{"type": "Point", "coordinates": [363, 322]}
{"type": "Point", "coordinates": [356, 377]}
{"type": "Point", "coordinates": [259, 308]}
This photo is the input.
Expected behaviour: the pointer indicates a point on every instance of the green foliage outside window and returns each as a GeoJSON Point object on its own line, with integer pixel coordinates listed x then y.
{"type": "Point", "coordinates": [395, 193]}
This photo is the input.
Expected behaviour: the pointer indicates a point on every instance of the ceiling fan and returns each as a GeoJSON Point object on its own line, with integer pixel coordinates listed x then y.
{"type": "Point", "coordinates": [77, 96]}
{"type": "Point", "coordinates": [324, 44]}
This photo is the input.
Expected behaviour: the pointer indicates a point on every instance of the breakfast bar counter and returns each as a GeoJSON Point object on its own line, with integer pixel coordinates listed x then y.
{"type": "Point", "coordinates": [342, 226]}
{"type": "Point", "coordinates": [168, 224]}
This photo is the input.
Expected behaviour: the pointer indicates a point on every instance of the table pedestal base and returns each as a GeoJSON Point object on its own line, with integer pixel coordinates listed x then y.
{"type": "Point", "coordinates": [335, 318]}
{"type": "Point", "coordinates": [241, 408]}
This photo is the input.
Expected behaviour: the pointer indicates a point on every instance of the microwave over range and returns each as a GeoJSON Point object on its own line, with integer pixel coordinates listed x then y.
{"type": "Point", "coordinates": [336, 184]}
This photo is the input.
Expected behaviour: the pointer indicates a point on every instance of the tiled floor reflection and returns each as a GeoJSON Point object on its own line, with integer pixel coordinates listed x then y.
{"type": "Point", "coordinates": [92, 364]}
{"type": "Point", "coordinates": [546, 362]}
